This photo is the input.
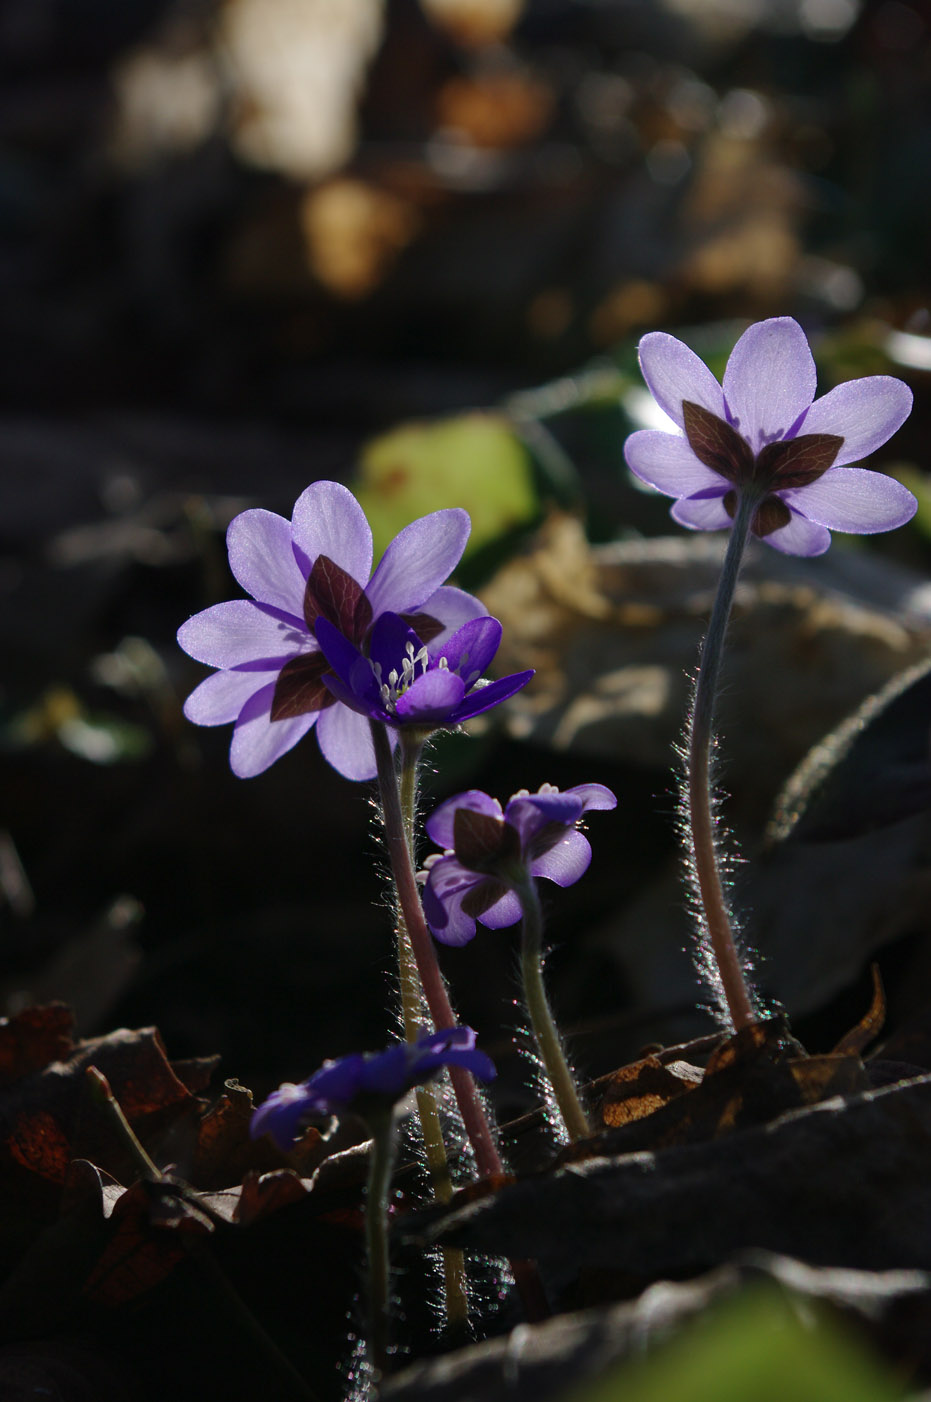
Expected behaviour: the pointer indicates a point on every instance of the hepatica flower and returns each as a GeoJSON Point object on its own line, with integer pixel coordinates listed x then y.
{"type": "Point", "coordinates": [763, 432]}
{"type": "Point", "coordinates": [490, 853]}
{"type": "Point", "coordinates": [402, 681]}
{"type": "Point", "coordinates": [367, 1082]}
{"type": "Point", "coordinates": [305, 576]}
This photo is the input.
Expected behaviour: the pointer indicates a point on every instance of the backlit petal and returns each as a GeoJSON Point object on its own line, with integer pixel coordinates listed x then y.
{"type": "Point", "coordinates": [854, 499]}
{"type": "Point", "coordinates": [507, 911]}
{"type": "Point", "coordinates": [702, 513]}
{"type": "Point", "coordinates": [327, 520]}
{"type": "Point", "coordinates": [471, 648]}
{"type": "Point", "coordinates": [452, 607]}
{"type": "Point", "coordinates": [230, 634]}
{"type": "Point", "coordinates": [261, 558]}
{"type": "Point", "coordinates": [565, 862]}
{"type": "Point", "coordinates": [345, 741]}
{"type": "Point", "coordinates": [800, 537]}
{"type": "Point", "coordinates": [418, 561]}
{"type": "Point", "coordinates": [770, 380]}
{"type": "Point", "coordinates": [674, 373]}
{"type": "Point", "coordinates": [865, 413]}
{"type": "Point", "coordinates": [441, 823]}
{"type": "Point", "coordinates": [258, 740]}
{"type": "Point", "coordinates": [667, 463]}
{"type": "Point", "coordinates": [484, 697]}
{"type": "Point", "coordinates": [219, 699]}
{"type": "Point", "coordinates": [432, 697]}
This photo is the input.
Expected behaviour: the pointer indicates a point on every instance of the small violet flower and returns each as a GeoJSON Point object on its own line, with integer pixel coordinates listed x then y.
{"type": "Point", "coordinates": [762, 431]}
{"type": "Point", "coordinates": [490, 854]}
{"type": "Point", "coordinates": [306, 574]}
{"type": "Point", "coordinates": [367, 1083]}
{"type": "Point", "coordinates": [400, 681]}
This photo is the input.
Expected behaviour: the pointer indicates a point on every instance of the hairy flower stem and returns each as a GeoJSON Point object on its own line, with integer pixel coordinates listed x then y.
{"type": "Point", "coordinates": [381, 1164]}
{"type": "Point", "coordinates": [487, 1159]}
{"type": "Point", "coordinates": [700, 813]}
{"type": "Point", "coordinates": [544, 1027]}
{"type": "Point", "coordinates": [454, 1273]}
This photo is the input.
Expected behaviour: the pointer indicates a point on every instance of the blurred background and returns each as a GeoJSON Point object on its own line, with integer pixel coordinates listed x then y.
{"type": "Point", "coordinates": [411, 245]}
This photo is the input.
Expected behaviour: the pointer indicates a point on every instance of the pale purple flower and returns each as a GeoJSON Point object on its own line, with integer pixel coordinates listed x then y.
{"type": "Point", "coordinates": [490, 852]}
{"type": "Point", "coordinates": [367, 1082]}
{"type": "Point", "coordinates": [763, 431]}
{"type": "Point", "coordinates": [401, 681]}
{"type": "Point", "coordinates": [303, 573]}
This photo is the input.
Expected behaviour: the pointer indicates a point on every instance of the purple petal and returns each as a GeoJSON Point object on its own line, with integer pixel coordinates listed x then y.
{"type": "Point", "coordinates": [594, 796]}
{"type": "Point", "coordinates": [343, 656]}
{"type": "Point", "coordinates": [418, 561]}
{"type": "Point", "coordinates": [389, 640]}
{"type": "Point", "coordinates": [261, 558]}
{"type": "Point", "coordinates": [432, 697]}
{"type": "Point", "coordinates": [337, 1083]}
{"type": "Point", "coordinates": [770, 380]}
{"type": "Point", "coordinates": [231, 634]}
{"type": "Point", "coordinates": [854, 499]}
{"type": "Point", "coordinates": [281, 1116]}
{"type": "Point", "coordinates": [799, 537]}
{"type": "Point", "coordinates": [471, 648]}
{"type": "Point", "coordinates": [667, 463]}
{"type": "Point", "coordinates": [327, 520]}
{"type": "Point", "coordinates": [346, 742]}
{"type": "Point", "coordinates": [674, 373]}
{"type": "Point", "coordinates": [447, 886]}
{"type": "Point", "coordinates": [484, 697]}
{"type": "Point", "coordinates": [528, 813]}
{"type": "Point", "coordinates": [219, 699]}
{"type": "Point", "coordinates": [441, 823]}
{"type": "Point", "coordinates": [702, 513]}
{"type": "Point", "coordinates": [566, 861]}
{"type": "Point", "coordinates": [865, 413]}
{"type": "Point", "coordinates": [507, 911]}
{"type": "Point", "coordinates": [452, 607]}
{"type": "Point", "coordinates": [258, 740]}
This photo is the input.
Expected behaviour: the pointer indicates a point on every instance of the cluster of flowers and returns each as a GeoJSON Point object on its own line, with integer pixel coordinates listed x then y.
{"type": "Point", "coordinates": [376, 662]}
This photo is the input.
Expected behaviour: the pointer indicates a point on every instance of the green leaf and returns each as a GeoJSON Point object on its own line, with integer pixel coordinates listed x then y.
{"type": "Point", "coordinates": [764, 1345]}
{"type": "Point", "coordinates": [474, 461]}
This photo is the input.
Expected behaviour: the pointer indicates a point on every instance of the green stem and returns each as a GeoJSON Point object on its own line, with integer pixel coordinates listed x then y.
{"type": "Point", "coordinates": [376, 1237]}
{"type": "Point", "coordinates": [700, 809]}
{"type": "Point", "coordinates": [544, 1027]}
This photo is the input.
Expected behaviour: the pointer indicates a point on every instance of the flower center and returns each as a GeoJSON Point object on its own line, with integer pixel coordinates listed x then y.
{"type": "Point", "coordinates": [398, 681]}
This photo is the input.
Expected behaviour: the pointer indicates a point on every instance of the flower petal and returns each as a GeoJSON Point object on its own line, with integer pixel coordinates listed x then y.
{"type": "Point", "coordinates": [864, 412]}
{"type": "Point", "coordinates": [594, 796]}
{"type": "Point", "coordinates": [258, 740]}
{"type": "Point", "coordinates": [702, 513]}
{"type": "Point", "coordinates": [484, 697]}
{"type": "Point", "coordinates": [327, 520]}
{"type": "Point", "coordinates": [231, 634]}
{"type": "Point", "coordinates": [346, 742]}
{"type": "Point", "coordinates": [565, 862]}
{"type": "Point", "coordinates": [221, 696]}
{"type": "Point", "coordinates": [471, 648]}
{"type": "Point", "coordinates": [441, 823]}
{"type": "Point", "coordinates": [418, 561]}
{"type": "Point", "coordinates": [854, 499]}
{"type": "Point", "coordinates": [507, 911]}
{"type": "Point", "coordinates": [447, 886]}
{"type": "Point", "coordinates": [799, 537]}
{"type": "Point", "coordinates": [452, 607]}
{"type": "Point", "coordinates": [261, 558]}
{"type": "Point", "coordinates": [667, 463]}
{"type": "Point", "coordinates": [674, 373]}
{"type": "Point", "coordinates": [770, 380]}
{"type": "Point", "coordinates": [433, 697]}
